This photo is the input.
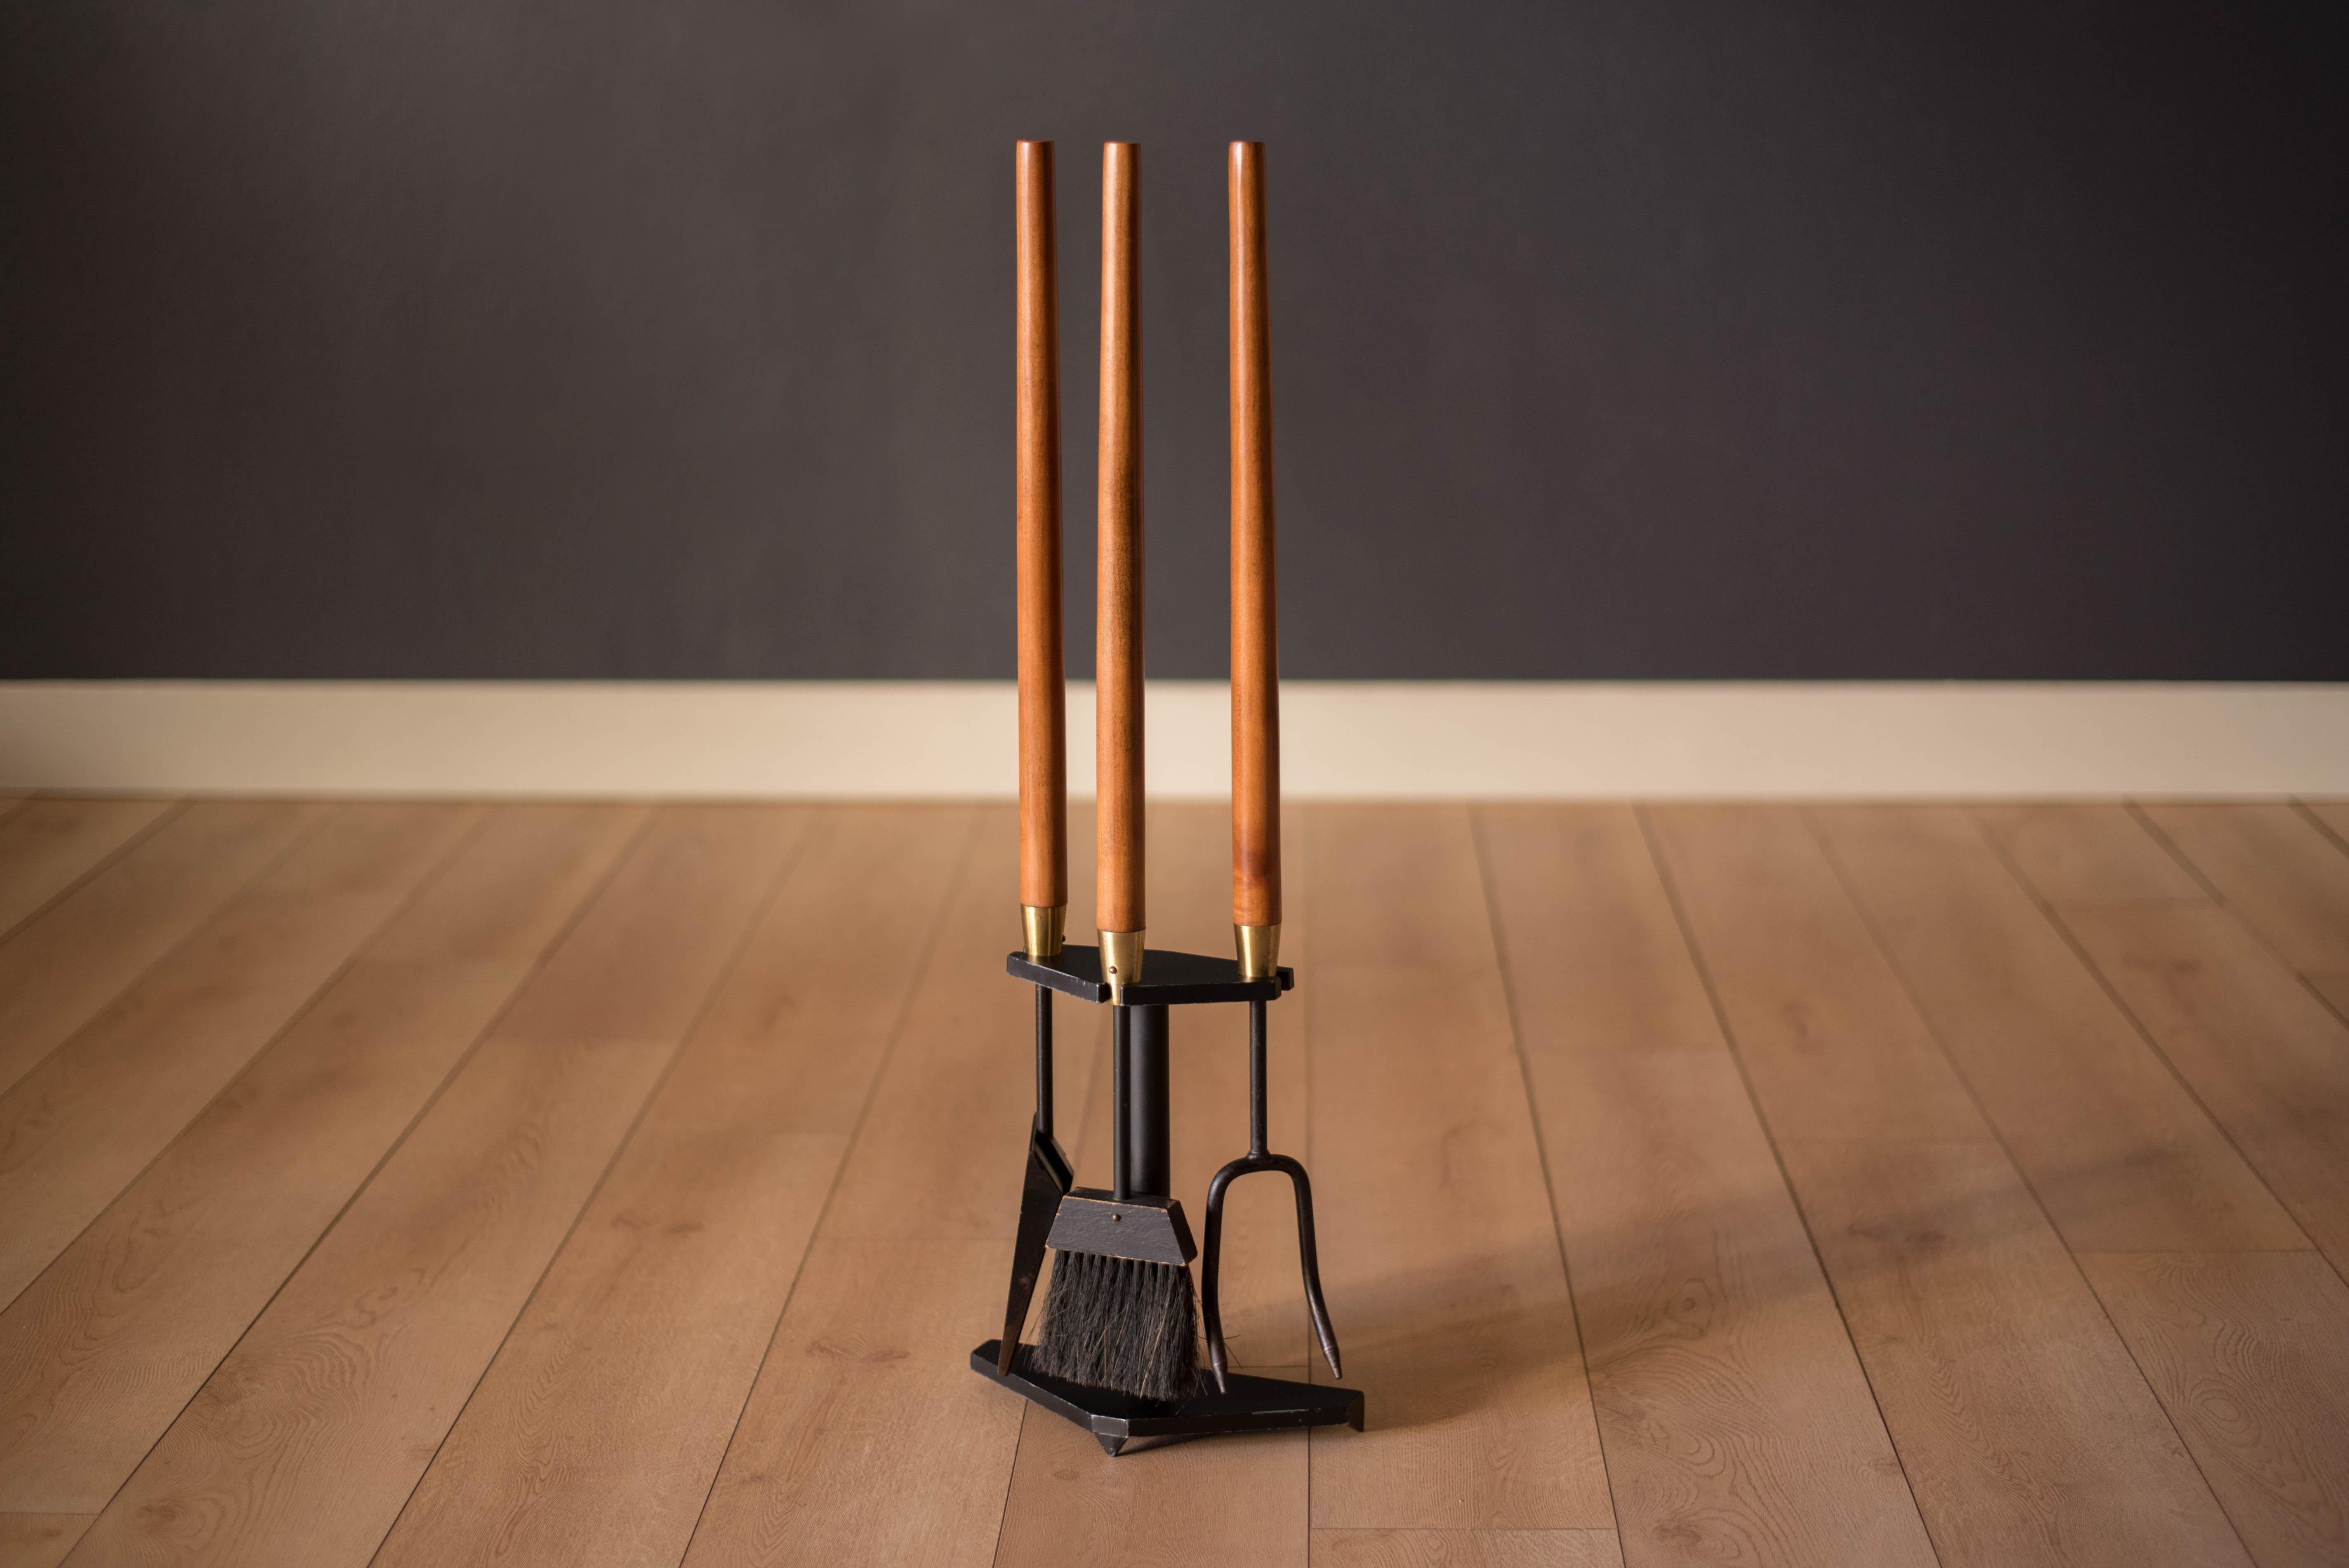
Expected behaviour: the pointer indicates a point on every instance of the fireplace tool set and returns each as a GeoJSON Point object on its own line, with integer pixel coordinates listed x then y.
{"type": "Point", "coordinates": [1118, 1351]}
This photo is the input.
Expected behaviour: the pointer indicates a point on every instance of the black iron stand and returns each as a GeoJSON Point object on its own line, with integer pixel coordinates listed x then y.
{"type": "Point", "coordinates": [1226, 1401]}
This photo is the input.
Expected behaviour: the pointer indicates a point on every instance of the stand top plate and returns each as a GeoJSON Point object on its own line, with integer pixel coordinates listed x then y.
{"type": "Point", "coordinates": [1170, 979]}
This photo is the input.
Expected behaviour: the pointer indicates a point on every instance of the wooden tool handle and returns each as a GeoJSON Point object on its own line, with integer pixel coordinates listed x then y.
{"type": "Point", "coordinates": [1117, 660]}
{"type": "Point", "coordinates": [1043, 737]}
{"type": "Point", "coordinates": [1256, 646]}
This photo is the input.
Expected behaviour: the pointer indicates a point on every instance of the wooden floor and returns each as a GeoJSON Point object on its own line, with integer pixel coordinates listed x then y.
{"type": "Point", "coordinates": [579, 1184]}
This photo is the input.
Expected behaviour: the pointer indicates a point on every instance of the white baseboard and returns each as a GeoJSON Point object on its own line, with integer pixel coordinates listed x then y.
{"type": "Point", "coordinates": [1355, 741]}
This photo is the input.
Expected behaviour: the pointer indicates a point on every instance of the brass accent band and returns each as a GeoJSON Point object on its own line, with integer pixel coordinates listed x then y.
{"type": "Point", "coordinates": [1260, 948]}
{"type": "Point", "coordinates": [1120, 961]}
{"type": "Point", "coordinates": [1041, 929]}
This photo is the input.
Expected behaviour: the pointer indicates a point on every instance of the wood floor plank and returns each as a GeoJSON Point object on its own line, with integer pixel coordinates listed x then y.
{"type": "Point", "coordinates": [38, 1540]}
{"type": "Point", "coordinates": [1069, 1501]}
{"type": "Point", "coordinates": [100, 1354]}
{"type": "Point", "coordinates": [1825, 1032]}
{"type": "Point", "coordinates": [595, 1436]}
{"type": "Point", "coordinates": [2284, 876]}
{"type": "Point", "coordinates": [2029, 1435]}
{"type": "Point", "coordinates": [2332, 815]}
{"type": "Point", "coordinates": [2118, 1151]}
{"type": "Point", "coordinates": [2267, 1058]}
{"type": "Point", "coordinates": [866, 1437]}
{"type": "Point", "coordinates": [2026, 1432]}
{"type": "Point", "coordinates": [306, 1442]}
{"type": "Point", "coordinates": [1465, 1549]}
{"type": "Point", "coordinates": [941, 1150]}
{"type": "Point", "coordinates": [48, 846]}
{"type": "Point", "coordinates": [2249, 1352]}
{"type": "Point", "coordinates": [1739, 1427]}
{"type": "Point", "coordinates": [1594, 951]}
{"type": "Point", "coordinates": [2087, 850]}
{"type": "Point", "coordinates": [1438, 1248]}
{"type": "Point", "coordinates": [78, 1128]}
{"type": "Point", "coordinates": [644, 960]}
{"type": "Point", "coordinates": [2333, 988]}
{"type": "Point", "coordinates": [1238, 1502]}
{"type": "Point", "coordinates": [58, 972]}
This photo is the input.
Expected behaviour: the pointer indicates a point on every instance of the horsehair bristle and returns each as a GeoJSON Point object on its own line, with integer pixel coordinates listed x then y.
{"type": "Point", "coordinates": [1120, 1323]}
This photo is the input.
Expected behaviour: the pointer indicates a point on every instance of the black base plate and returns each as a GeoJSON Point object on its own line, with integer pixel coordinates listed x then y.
{"type": "Point", "coordinates": [1254, 1405]}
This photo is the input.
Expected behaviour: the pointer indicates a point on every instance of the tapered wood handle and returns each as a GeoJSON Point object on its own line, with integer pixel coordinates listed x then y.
{"type": "Point", "coordinates": [1043, 734]}
{"type": "Point", "coordinates": [1117, 656]}
{"type": "Point", "coordinates": [1256, 644]}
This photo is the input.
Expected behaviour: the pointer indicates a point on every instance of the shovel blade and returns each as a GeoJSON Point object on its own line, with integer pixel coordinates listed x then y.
{"type": "Point", "coordinates": [1047, 1181]}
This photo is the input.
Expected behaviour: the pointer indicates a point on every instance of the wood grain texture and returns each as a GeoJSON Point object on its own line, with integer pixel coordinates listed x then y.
{"type": "Point", "coordinates": [1439, 1252]}
{"type": "Point", "coordinates": [939, 1156]}
{"type": "Point", "coordinates": [1118, 895]}
{"type": "Point", "coordinates": [2335, 989]}
{"type": "Point", "coordinates": [2285, 876]}
{"type": "Point", "coordinates": [594, 1254]}
{"type": "Point", "coordinates": [868, 1439]}
{"type": "Point", "coordinates": [78, 1128]}
{"type": "Point", "coordinates": [1256, 593]}
{"type": "Point", "coordinates": [641, 961]}
{"type": "Point", "coordinates": [2267, 1058]}
{"type": "Point", "coordinates": [304, 1445]}
{"type": "Point", "coordinates": [2025, 1431]}
{"type": "Point", "coordinates": [1235, 1501]}
{"type": "Point", "coordinates": [58, 972]}
{"type": "Point", "coordinates": [2028, 1434]}
{"type": "Point", "coordinates": [1595, 952]}
{"type": "Point", "coordinates": [2249, 1354]}
{"type": "Point", "coordinates": [1465, 1549]}
{"type": "Point", "coordinates": [48, 846]}
{"type": "Point", "coordinates": [38, 1540]}
{"type": "Point", "coordinates": [1823, 1027]}
{"type": "Point", "coordinates": [2115, 1146]}
{"type": "Point", "coordinates": [100, 1354]}
{"type": "Point", "coordinates": [596, 1434]}
{"type": "Point", "coordinates": [1067, 1500]}
{"type": "Point", "coordinates": [2087, 850]}
{"type": "Point", "coordinates": [1738, 1426]}
{"type": "Point", "coordinates": [1036, 447]}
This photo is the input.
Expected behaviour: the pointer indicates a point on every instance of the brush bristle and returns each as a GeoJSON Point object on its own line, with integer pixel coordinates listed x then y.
{"type": "Point", "coordinates": [1121, 1324]}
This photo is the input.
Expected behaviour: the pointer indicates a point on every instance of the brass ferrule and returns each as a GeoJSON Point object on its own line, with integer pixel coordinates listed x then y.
{"type": "Point", "coordinates": [1121, 959]}
{"type": "Point", "coordinates": [1259, 949]}
{"type": "Point", "coordinates": [1041, 929]}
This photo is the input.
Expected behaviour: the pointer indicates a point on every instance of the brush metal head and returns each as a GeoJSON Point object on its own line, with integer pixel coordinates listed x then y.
{"type": "Point", "coordinates": [1145, 1229]}
{"type": "Point", "coordinates": [1122, 1325]}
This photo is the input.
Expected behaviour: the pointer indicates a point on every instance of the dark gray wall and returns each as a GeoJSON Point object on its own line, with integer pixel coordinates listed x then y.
{"type": "Point", "coordinates": [491, 337]}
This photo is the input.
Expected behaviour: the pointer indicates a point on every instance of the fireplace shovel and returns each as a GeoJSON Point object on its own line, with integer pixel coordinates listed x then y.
{"type": "Point", "coordinates": [1258, 1158]}
{"type": "Point", "coordinates": [1049, 1180]}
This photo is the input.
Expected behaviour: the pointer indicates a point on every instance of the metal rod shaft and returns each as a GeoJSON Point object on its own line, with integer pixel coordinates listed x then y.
{"type": "Point", "coordinates": [1044, 1060]}
{"type": "Point", "coordinates": [1258, 1132]}
{"type": "Point", "coordinates": [1145, 1103]}
{"type": "Point", "coordinates": [1120, 1029]}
